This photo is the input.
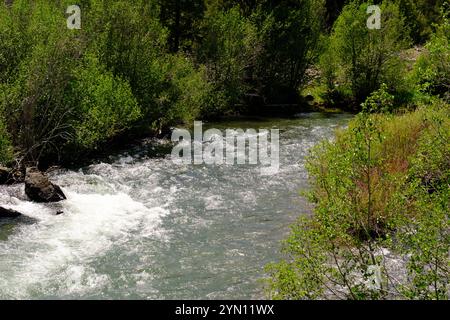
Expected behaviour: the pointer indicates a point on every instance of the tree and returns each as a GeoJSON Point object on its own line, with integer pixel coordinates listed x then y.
{"type": "Point", "coordinates": [289, 32]}
{"type": "Point", "coordinates": [227, 49]}
{"type": "Point", "coordinates": [182, 18]}
{"type": "Point", "coordinates": [432, 70]}
{"type": "Point", "coordinates": [421, 17]}
{"type": "Point", "coordinates": [365, 58]}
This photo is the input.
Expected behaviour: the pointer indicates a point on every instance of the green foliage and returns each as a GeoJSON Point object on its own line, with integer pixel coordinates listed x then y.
{"type": "Point", "coordinates": [421, 16]}
{"type": "Point", "coordinates": [425, 239]}
{"type": "Point", "coordinates": [104, 104]}
{"type": "Point", "coordinates": [34, 91]}
{"type": "Point", "coordinates": [183, 92]}
{"type": "Point", "coordinates": [6, 150]}
{"type": "Point", "coordinates": [85, 87]}
{"type": "Point", "coordinates": [129, 49]}
{"type": "Point", "coordinates": [362, 59]}
{"type": "Point", "coordinates": [228, 48]}
{"type": "Point", "coordinates": [379, 101]}
{"type": "Point", "coordinates": [380, 224]}
{"type": "Point", "coordinates": [432, 70]}
{"type": "Point", "coordinates": [133, 46]}
{"type": "Point", "coordinates": [289, 32]}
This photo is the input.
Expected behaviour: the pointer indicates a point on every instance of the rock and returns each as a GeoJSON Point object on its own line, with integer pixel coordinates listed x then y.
{"type": "Point", "coordinates": [17, 175]}
{"type": "Point", "coordinates": [11, 176]}
{"type": "Point", "coordinates": [39, 188]}
{"type": "Point", "coordinates": [4, 174]}
{"type": "Point", "coordinates": [9, 213]}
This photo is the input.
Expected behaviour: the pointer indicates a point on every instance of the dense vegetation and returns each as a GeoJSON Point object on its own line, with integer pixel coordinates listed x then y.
{"type": "Point", "coordinates": [135, 68]}
{"type": "Point", "coordinates": [381, 188]}
{"type": "Point", "coordinates": [141, 67]}
{"type": "Point", "coordinates": [380, 226]}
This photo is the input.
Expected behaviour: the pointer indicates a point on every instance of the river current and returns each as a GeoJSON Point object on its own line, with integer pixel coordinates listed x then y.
{"type": "Point", "coordinates": [142, 227]}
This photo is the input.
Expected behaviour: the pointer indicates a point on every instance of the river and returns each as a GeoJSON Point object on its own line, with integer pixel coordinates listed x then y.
{"type": "Point", "coordinates": [139, 226]}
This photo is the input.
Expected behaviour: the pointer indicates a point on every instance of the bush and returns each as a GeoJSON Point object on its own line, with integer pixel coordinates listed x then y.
{"type": "Point", "coordinates": [380, 225]}
{"type": "Point", "coordinates": [133, 45]}
{"type": "Point", "coordinates": [33, 99]}
{"type": "Point", "coordinates": [14, 42]}
{"type": "Point", "coordinates": [6, 150]}
{"type": "Point", "coordinates": [432, 70]}
{"type": "Point", "coordinates": [289, 32]}
{"type": "Point", "coordinates": [421, 17]}
{"type": "Point", "coordinates": [183, 92]}
{"type": "Point", "coordinates": [361, 59]}
{"type": "Point", "coordinates": [379, 101]}
{"type": "Point", "coordinates": [130, 41]}
{"type": "Point", "coordinates": [228, 49]}
{"type": "Point", "coordinates": [63, 88]}
{"type": "Point", "coordinates": [104, 105]}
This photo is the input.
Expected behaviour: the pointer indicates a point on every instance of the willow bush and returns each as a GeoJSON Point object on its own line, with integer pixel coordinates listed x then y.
{"type": "Point", "coordinates": [432, 71]}
{"type": "Point", "coordinates": [380, 228]}
{"type": "Point", "coordinates": [63, 88]}
{"type": "Point", "coordinates": [228, 49]}
{"type": "Point", "coordinates": [360, 59]}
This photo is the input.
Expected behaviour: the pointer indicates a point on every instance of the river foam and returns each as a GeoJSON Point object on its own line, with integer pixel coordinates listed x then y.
{"type": "Point", "coordinates": [141, 227]}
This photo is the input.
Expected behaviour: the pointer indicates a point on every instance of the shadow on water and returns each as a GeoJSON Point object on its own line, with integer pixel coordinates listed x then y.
{"type": "Point", "coordinates": [8, 226]}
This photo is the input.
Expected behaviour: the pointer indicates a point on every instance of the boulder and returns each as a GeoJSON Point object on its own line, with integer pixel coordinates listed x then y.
{"type": "Point", "coordinates": [4, 174]}
{"type": "Point", "coordinates": [9, 213]}
{"type": "Point", "coordinates": [39, 188]}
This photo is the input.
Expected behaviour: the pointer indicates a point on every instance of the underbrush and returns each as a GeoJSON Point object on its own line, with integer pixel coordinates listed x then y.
{"type": "Point", "coordinates": [380, 224]}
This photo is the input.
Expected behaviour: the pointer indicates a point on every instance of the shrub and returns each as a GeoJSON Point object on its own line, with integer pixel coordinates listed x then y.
{"type": "Point", "coordinates": [289, 33]}
{"type": "Point", "coordinates": [362, 59]}
{"type": "Point", "coordinates": [183, 92]}
{"type": "Point", "coordinates": [33, 99]}
{"type": "Point", "coordinates": [432, 70]}
{"type": "Point", "coordinates": [14, 41]}
{"type": "Point", "coordinates": [63, 88]}
{"type": "Point", "coordinates": [104, 105]}
{"type": "Point", "coordinates": [421, 17]}
{"type": "Point", "coordinates": [130, 41]}
{"type": "Point", "coordinates": [228, 49]}
{"type": "Point", "coordinates": [6, 150]}
{"type": "Point", "coordinates": [380, 225]}
{"type": "Point", "coordinates": [379, 101]}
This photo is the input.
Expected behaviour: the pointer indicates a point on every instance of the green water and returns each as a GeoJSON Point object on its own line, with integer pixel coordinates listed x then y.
{"type": "Point", "coordinates": [140, 227]}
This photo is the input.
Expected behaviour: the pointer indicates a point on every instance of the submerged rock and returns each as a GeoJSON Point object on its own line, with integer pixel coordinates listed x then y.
{"type": "Point", "coordinates": [9, 213]}
{"type": "Point", "coordinates": [39, 188]}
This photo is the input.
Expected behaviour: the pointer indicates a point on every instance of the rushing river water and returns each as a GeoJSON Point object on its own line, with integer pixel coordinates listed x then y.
{"type": "Point", "coordinates": [142, 227]}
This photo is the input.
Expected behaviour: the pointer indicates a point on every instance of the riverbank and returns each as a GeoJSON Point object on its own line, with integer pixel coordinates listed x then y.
{"type": "Point", "coordinates": [380, 228]}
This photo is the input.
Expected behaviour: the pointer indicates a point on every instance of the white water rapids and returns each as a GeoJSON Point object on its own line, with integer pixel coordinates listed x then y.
{"type": "Point", "coordinates": [142, 227]}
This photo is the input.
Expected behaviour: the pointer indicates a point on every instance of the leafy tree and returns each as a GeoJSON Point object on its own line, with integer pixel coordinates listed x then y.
{"type": "Point", "coordinates": [421, 16]}
{"type": "Point", "coordinates": [6, 149]}
{"type": "Point", "coordinates": [228, 49]}
{"type": "Point", "coordinates": [362, 58]}
{"type": "Point", "coordinates": [289, 32]}
{"type": "Point", "coordinates": [103, 104]}
{"type": "Point", "coordinates": [432, 70]}
{"type": "Point", "coordinates": [380, 228]}
{"type": "Point", "coordinates": [34, 92]}
{"type": "Point", "coordinates": [182, 18]}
